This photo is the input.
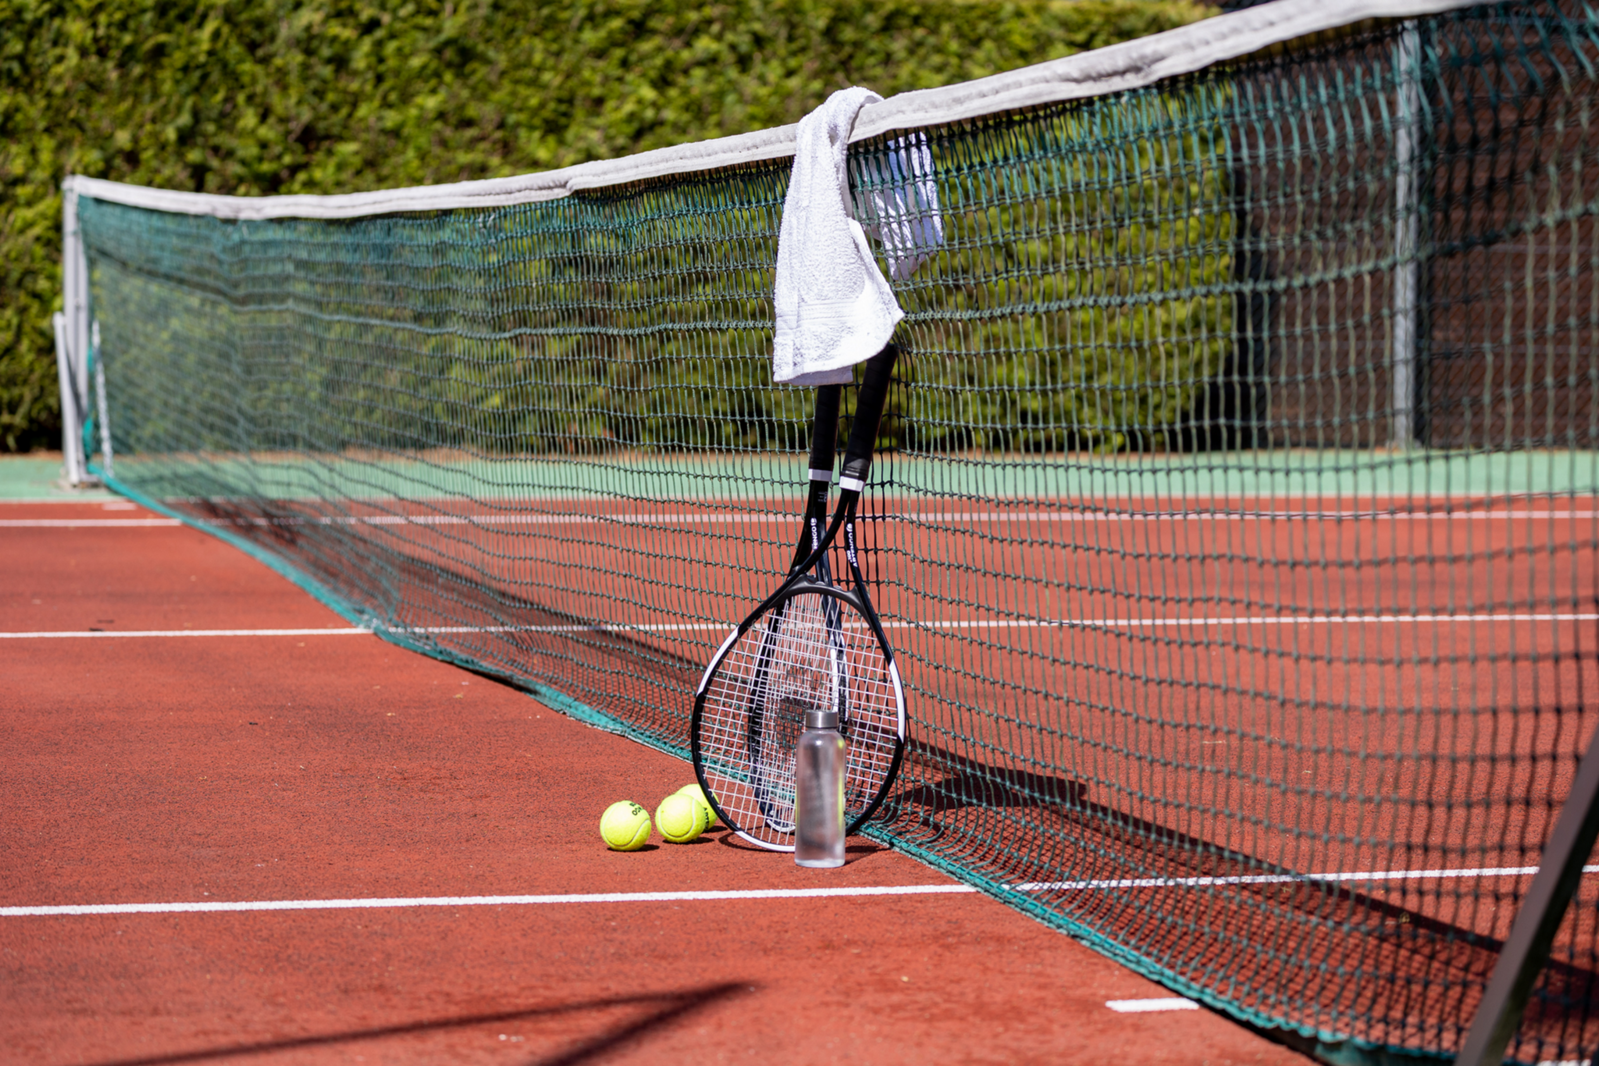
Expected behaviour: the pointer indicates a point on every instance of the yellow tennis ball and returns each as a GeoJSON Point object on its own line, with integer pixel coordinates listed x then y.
{"type": "Point", "coordinates": [681, 818]}
{"type": "Point", "coordinates": [625, 826]}
{"type": "Point", "coordinates": [697, 793]}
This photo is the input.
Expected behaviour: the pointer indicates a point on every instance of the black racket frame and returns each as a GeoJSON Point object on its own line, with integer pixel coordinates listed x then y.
{"type": "Point", "coordinates": [811, 557]}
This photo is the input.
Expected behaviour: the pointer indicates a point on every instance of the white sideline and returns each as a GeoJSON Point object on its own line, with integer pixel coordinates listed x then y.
{"type": "Point", "coordinates": [212, 906]}
{"type": "Point", "coordinates": [1101, 72]}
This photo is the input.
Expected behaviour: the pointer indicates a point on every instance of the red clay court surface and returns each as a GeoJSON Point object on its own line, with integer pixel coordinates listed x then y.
{"type": "Point", "coordinates": [254, 768]}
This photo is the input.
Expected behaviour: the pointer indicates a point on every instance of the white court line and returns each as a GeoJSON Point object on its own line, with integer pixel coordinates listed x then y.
{"type": "Point", "coordinates": [1145, 1006]}
{"type": "Point", "coordinates": [1249, 620]}
{"type": "Point", "coordinates": [477, 901]}
{"type": "Point", "coordinates": [711, 627]}
{"type": "Point", "coordinates": [1282, 879]}
{"type": "Point", "coordinates": [202, 906]}
{"type": "Point", "coordinates": [84, 523]}
{"type": "Point", "coordinates": [704, 518]}
{"type": "Point", "coordinates": [93, 496]}
{"type": "Point", "coordinates": [61, 635]}
{"type": "Point", "coordinates": [1229, 516]}
{"type": "Point", "coordinates": [701, 518]}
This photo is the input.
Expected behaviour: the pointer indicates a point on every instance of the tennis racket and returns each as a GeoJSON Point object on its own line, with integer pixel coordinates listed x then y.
{"type": "Point", "coordinates": [810, 644]}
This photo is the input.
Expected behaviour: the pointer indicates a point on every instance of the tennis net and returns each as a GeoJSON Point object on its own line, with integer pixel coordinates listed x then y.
{"type": "Point", "coordinates": [1236, 516]}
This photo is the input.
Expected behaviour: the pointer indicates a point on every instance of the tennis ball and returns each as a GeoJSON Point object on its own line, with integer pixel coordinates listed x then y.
{"type": "Point", "coordinates": [681, 818]}
{"type": "Point", "coordinates": [697, 794]}
{"type": "Point", "coordinates": [625, 826]}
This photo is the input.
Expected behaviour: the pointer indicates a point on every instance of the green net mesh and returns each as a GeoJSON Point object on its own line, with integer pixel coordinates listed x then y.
{"type": "Point", "coordinates": [1235, 522]}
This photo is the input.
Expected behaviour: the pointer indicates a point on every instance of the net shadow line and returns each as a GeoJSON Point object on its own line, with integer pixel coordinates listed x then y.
{"type": "Point", "coordinates": [673, 1006]}
{"type": "Point", "coordinates": [1192, 848]}
{"type": "Point", "coordinates": [1319, 901]}
{"type": "Point", "coordinates": [472, 594]}
{"type": "Point", "coordinates": [977, 780]}
{"type": "Point", "coordinates": [368, 606]}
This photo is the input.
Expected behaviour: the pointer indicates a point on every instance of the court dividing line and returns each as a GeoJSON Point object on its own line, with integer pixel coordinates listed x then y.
{"type": "Point", "coordinates": [215, 906]}
{"type": "Point", "coordinates": [1018, 623]}
{"type": "Point", "coordinates": [708, 518]}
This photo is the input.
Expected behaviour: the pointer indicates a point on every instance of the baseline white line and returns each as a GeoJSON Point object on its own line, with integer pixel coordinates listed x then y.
{"type": "Point", "coordinates": [477, 901]}
{"type": "Point", "coordinates": [710, 627]}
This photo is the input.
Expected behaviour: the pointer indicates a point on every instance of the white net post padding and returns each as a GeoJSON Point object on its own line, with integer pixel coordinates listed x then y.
{"type": "Point", "coordinates": [72, 340]}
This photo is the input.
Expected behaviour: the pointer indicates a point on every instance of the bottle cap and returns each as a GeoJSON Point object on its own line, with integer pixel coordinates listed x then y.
{"type": "Point", "coordinates": [815, 719]}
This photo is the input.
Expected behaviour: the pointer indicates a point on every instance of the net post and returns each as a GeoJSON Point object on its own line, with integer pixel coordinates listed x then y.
{"type": "Point", "coordinates": [1537, 920]}
{"type": "Point", "coordinates": [71, 434]}
{"type": "Point", "coordinates": [102, 406]}
{"type": "Point", "coordinates": [1407, 70]}
{"type": "Point", "coordinates": [72, 336]}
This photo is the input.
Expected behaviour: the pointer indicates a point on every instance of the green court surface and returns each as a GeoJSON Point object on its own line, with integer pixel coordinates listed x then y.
{"type": "Point", "coordinates": [38, 478]}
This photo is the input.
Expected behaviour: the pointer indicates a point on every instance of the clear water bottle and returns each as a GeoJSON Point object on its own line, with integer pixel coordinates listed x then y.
{"type": "Point", "coordinates": [819, 792]}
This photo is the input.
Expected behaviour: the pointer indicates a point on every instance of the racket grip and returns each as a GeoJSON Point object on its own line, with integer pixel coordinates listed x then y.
{"type": "Point", "coordinates": [824, 430]}
{"type": "Point", "coordinates": [868, 413]}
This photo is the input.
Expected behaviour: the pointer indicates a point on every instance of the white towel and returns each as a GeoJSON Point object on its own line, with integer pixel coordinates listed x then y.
{"type": "Point", "coordinates": [834, 307]}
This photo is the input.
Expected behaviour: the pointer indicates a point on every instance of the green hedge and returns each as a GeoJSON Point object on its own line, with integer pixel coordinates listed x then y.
{"type": "Point", "coordinates": [278, 96]}
{"type": "Point", "coordinates": [1089, 305]}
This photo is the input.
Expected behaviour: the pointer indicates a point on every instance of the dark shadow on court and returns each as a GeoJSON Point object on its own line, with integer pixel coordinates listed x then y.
{"type": "Point", "coordinates": [678, 1006]}
{"type": "Point", "coordinates": [856, 849]}
{"type": "Point", "coordinates": [665, 1009]}
{"type": "Point", "coordinates": [994, 787]}
{"type": "Point", "coordinates": [1054, 832]}
{"type": "Point", "coordinates": [738, 843]}
{"type": "Point", "coordinates": [950, 781]}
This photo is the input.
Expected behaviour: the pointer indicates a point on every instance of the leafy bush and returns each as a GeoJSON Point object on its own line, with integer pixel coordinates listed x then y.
{"type": "Point", "coordinates": [277, 96]}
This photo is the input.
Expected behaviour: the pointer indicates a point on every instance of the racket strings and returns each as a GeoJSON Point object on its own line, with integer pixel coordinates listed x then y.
{"type": "Point", "coordinates": [812, 651]}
